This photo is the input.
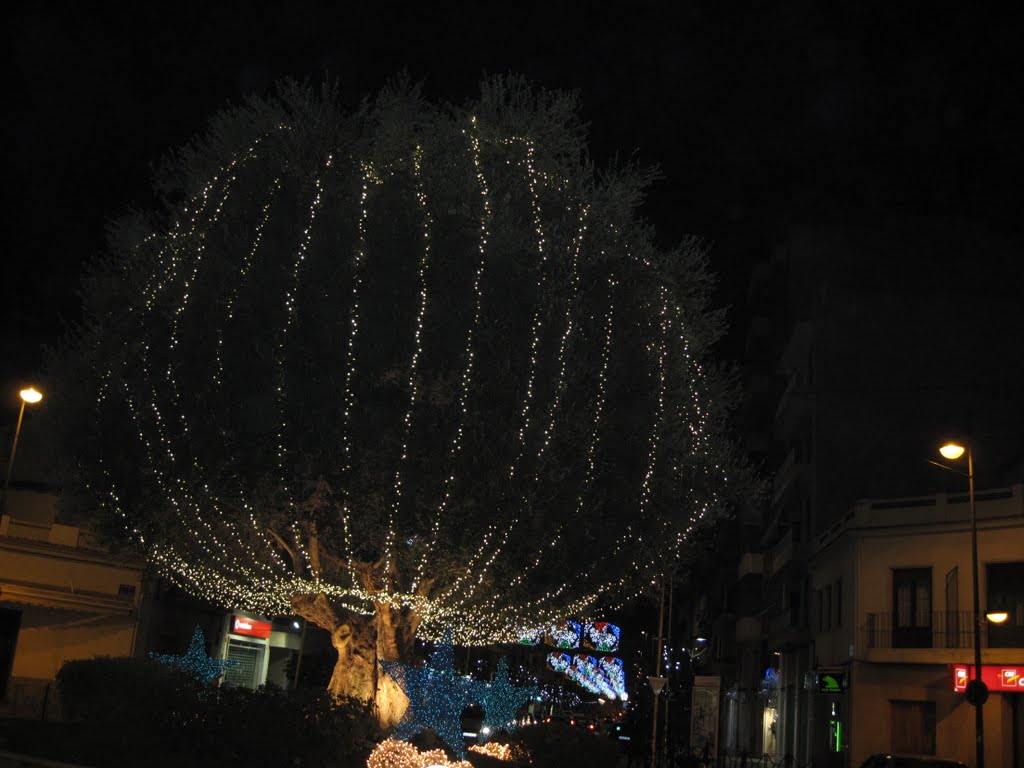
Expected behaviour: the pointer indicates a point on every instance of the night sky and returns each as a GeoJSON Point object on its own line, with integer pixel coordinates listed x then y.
{"type": "Point", "coordinates": [781, 114]}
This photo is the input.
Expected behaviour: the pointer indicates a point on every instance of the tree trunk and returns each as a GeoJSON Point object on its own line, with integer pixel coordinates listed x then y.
{"type": "Point", "coordinates": [360, 641]}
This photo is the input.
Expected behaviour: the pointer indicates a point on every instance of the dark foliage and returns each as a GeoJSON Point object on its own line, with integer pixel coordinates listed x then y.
{"type": "Point", "coordinates": [556, 745]}
{"type": "Point", "coordinates": [131, 712]}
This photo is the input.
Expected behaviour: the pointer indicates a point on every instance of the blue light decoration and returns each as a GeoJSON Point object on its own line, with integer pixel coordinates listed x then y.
{"type": "Point", "coordinates": [437, 695]}
{"type": "Point", "coordinates": [501, 699]}
{"type": "Point", "coordinates": [195, 661]}
{"type": "Point", "coordinates": [601, 636]}
{"type": "Point", "coordinates": [564, 635]}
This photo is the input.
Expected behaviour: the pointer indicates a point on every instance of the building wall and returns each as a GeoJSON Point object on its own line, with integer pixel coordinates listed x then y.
{"type": "Point", "coordinates": [73, 601]}
{"type": "Point", "coordinates": [872, 540]}
{"type": "Point", "coordinates": [874, 686]}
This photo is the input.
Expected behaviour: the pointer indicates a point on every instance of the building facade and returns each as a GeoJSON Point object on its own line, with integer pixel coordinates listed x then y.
{"type": "Point", "coordinates": [62, 597]}
{"type": "Point", "coordinates": [892, 621]}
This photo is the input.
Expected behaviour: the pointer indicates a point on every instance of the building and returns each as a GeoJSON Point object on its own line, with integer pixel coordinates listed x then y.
{"type": "Point", "coordinates": [62, 597]}
{"type": "Point", "coordinates": [892, 621]}
{"type": "Point", "coordinates": [866, 347]}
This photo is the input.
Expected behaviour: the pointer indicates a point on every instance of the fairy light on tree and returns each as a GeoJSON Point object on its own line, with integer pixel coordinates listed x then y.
{"type": "Point", "coordinates": [398, 369]}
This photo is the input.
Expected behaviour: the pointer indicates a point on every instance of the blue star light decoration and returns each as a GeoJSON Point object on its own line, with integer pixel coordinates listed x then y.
{"type": "Point", "coordinates": [195, 661]}
{"type": "Point", "coordinates": [501, 699]}
{"type": "Point", "coordinates": [437, 695]}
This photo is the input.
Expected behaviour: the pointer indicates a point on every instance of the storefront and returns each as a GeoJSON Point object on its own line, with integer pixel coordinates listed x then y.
{"type": "Point", "coordinates": [266, 651]}
{"type": "Point", "coordinates": [1005, 703]}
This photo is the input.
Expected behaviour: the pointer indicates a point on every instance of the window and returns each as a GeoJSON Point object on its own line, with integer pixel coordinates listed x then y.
{"type": "Point", "coordinates": [912, 608]}
{"type": "Point", "coordinates": [819, 619]}
{"type": "Point", "coordinates": [839, 602]}
{"type": "Point", "coordinates": [913, 727]}
{"type": "Point", "coordinates": [828, 607]}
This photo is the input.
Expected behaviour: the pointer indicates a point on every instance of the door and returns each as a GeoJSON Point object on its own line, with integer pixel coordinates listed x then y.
{"type": "Point", "coordinates": [912, 608]}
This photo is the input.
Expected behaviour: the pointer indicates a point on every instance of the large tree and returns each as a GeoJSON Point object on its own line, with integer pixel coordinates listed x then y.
{"type": "Point", "coordinates": [398, 369]}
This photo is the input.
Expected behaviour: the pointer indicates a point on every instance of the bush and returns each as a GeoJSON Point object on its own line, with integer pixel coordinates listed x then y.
{"type": "Point", "coordinates": [555, 745]}
{"type": "Point", "coordinates": [131, 712]}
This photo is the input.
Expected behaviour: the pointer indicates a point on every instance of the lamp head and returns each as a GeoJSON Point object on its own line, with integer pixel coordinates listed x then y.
{"type": "Point", "coordinates": [31, 395]}
{"type": "Point", "coordinates": [997, 617]}
{"type": "Point", "coordinates": [952, 450]}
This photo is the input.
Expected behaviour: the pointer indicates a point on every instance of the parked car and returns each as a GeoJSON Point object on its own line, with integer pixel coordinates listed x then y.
{"type": "Point", "coordinates": [909, 761]}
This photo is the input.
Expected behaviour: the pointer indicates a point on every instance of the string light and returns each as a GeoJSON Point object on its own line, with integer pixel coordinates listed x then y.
{"type": "Point", "coordinates": [195, 661]}
{"type": "Point", "coordinates": [392, 753]}
{"type": "Point", "coordinates": [501, 700]}
{"type": "Point", "coordinates": [437, 695]}
{"type": "Point", "coordinates": [492, 209]}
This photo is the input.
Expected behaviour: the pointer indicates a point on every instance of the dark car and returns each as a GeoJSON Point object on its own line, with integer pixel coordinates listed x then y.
{"type": "Point", "coordinates": [909, 761]}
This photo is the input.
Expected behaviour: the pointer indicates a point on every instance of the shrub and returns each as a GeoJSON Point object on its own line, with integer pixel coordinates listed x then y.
{"type": "Point", "coordinates": [133, 712]}
{"type": "Point", "coordinates": [555, 745]}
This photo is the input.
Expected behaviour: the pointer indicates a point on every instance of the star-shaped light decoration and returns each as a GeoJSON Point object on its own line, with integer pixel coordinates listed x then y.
{"type": "Point", "coordinates": [437, 695]}
{"type": "Point", "coordinates": [501, 699]}
{"type": "Point", "coordinates": [195, 661]}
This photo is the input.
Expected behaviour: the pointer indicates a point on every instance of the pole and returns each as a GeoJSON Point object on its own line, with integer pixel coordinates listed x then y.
{"type": "Point", "coordinates": [657, 673]}
{"type": "Point", "coordinates": [668, 672]}
{"type": "Point", "coordinates": [979, 720]}
{"type": "Point", "coordinates": [10, 462]}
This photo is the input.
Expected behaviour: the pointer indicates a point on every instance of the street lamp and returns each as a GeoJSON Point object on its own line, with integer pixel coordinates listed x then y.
{"type": "Point", "coordinates": [976, 691]}
{"type": "Point", "coordinates": [32, 396]}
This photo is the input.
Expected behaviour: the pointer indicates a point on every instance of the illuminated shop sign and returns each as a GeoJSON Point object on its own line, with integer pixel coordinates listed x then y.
{"type": "Point", "coordinates": [243, 625]}
{"type": "Point", "coordinates": [997, 678]}
{"type": "Point", "coordinates": [831, 682]}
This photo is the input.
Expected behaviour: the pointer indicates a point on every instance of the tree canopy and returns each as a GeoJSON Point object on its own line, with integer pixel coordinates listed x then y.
{"type": "Point", "coordinates": [409, 355]}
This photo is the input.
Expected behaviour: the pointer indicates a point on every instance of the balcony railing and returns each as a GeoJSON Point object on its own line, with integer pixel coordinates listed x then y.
{"type": "Point", "coordinates": [944, 629]}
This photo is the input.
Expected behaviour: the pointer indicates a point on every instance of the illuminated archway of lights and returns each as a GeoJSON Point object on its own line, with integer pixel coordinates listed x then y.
{"type": "Point", "coordinates": [376, 372]}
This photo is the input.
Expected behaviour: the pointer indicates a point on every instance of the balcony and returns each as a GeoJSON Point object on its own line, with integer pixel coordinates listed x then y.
{"type": "Point", "coordinates": [941, 630]}
{"type": "Point", "coordinates": [786, 551]}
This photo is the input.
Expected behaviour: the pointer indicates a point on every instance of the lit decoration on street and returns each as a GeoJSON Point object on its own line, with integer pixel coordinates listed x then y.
{"type": "Point", "coordinates": [531, 638]}
{"type": "Point", "coordinates": [601, 636]}
{"type": "Point", "coordinates": [400, 754]}
{"type": "Point", "coordinates": [564, 635]}
{"type": "Point", "coordinates": [502, 752]}
{"type": "Point", "coordinates": [437, 695]}
{"type": "Point", "coordinates": [501, 699]}
{"type": "Point", "coordinates": [195, 661]}
{"type": "Point", "coordinates": [586, 672]}
{"type": "Point", "coordinates": [559, 662]}
{"type": "Point", "coordinates": [614, 673]}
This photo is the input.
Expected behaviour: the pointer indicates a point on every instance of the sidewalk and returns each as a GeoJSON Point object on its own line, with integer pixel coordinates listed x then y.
{"type": "Point", "coordinates": [12, 760]}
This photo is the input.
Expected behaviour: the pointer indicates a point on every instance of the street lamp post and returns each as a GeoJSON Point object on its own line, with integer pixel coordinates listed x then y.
{"type": "Point", "coordinates": [976, 691]}
{"type": "Point", "coordinates": [29, 395]}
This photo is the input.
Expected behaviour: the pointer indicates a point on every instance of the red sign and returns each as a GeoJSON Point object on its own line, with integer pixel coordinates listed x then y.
{"type": "Point", "coordinates": [243, 625]}
{"type": "Point", "coordinates": [997, 678]}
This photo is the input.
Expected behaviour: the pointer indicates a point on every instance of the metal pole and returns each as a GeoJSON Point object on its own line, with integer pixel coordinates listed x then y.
{"type": "Point", "coordinates": [979, 720]}
{"type": "Point", "coordinates": [10, 462]}
{"type": "Point", "coordinates": [657, 673]}
{"type": "Point", "coordinates": [668, 672]}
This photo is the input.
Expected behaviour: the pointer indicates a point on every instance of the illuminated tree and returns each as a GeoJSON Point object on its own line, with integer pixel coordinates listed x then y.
{"type": "Point", "coordinates": [398, 369]}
